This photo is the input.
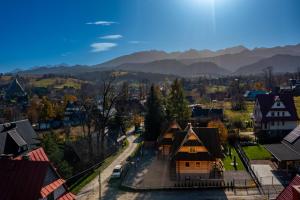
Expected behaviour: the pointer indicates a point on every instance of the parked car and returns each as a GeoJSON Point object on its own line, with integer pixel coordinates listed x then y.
{"type": "Point", "coordinates": [117, 172]}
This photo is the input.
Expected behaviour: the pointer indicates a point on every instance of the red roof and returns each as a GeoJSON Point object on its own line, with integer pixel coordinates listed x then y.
{"type": "Point", "coordinates": [287, 193]}
{"type": "Point", "coordinates": [21, 179]}
{"type": "Point", "coordinates": [36, 155]}
{"type": "Point", "coordinates": [67, 196]}
{"type": "Point", "coordinates": [46, 190]}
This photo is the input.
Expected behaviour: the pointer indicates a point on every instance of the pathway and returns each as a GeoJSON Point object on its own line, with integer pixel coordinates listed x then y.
{"type": "Point", "coordinates": [91, 190]}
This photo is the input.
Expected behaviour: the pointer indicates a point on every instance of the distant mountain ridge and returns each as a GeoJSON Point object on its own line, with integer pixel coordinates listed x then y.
{"type": "Point", "coordinates": [280, 64]}
{"type": "Point", "coordinates": [175, 67]}
{"type": "Point", "coordinates": [233, 60]}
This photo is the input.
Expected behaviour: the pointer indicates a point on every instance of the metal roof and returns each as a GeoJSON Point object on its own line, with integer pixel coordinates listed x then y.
{"type": "Point", "coordinates": [287, 193]}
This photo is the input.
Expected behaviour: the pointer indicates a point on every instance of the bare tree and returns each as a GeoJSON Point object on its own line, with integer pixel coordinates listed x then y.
{"type": "Point", "coordinates": [269, 77]}
{"type": "Point", "coordinates": [108, 97]}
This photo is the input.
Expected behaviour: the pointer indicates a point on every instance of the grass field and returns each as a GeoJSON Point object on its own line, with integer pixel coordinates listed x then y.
{"type": "Point", "coordinates": [215, 88]}
{"type": "Point", "coordinates": [257, 153]}
{"type": "Point", "coordinates": [243, 115]}
{"type": "Point", "coordinates": [57, 83]}
{"type": "Point", "coordinates": [297, 104]}
{"type": "Point", "coordinates": [228, 160]}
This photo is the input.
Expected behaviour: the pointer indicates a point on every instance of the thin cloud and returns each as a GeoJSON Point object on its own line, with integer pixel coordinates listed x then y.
{"type": "Point", "coordinates": [111, 37]}
{"type": "Point", "coordinates": [137, 42]}
{"type": "Point", "coordinates": [101, 23]}
{"type": "Point", "coordinates": [65, 54]}
{"type": "Point", "coordinates": [102, 46]}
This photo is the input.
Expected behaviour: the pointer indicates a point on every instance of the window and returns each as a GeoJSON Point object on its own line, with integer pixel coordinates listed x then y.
{"type": "Point", "coordinates": [278, 104]}
{"type": "Point", "coordinates": [272, 113]}
{"type": "Point", "coordinates": [187, 164]}
{"type": "Point", "coordinates": [283, 113]}
{"type": "Point", "coordinates": [283, 123]}
{"type": "Point", "coordinates": [278, 114]}
{"type": "Point", "coordinates": [272, 123]}
{"type": "Point", "coordinates": [192, 150]}
{"type": "Point", "coordinates": [197, 164]}
{"type": "Point", "coordinates": [266, 126]}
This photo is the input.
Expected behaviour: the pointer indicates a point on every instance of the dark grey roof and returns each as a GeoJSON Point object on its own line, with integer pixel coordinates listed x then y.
{"type": "Point", "coordinates": [283, 152]}
{"type": "Point", "coordinates": [25, 131]}
{"type": "Point", "coordinates": [17, 138]}
{"type": "Point", "coordinates": [266, 101]}
{"type": "Point", "coordinates": [198, 111]}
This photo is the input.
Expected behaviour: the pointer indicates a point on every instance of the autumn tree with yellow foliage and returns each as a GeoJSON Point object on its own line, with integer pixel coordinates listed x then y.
{"type": "Point", "coordinates": [223, 132]}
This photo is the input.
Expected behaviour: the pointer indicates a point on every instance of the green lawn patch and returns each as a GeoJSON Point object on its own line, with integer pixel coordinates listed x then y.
{"type": "Point", "coordinates": [257, 152]}
{"type": "Point", "coordinates": [78, 185]}
{"type": "Point", "coordinates": [228, 160]}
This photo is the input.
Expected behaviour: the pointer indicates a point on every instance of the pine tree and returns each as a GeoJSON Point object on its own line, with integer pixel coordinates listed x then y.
{"type": "Point", "coordinates": [177, 105]}
{"type": "Point", "coordinates": [155, 114]}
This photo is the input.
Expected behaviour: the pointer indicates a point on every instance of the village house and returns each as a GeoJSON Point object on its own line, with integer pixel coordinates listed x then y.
{"type": "Point", "coordinates": [31, 176]}
{"type": "Point", "coordinates": [16, 92]}
{"type": "Point", "coordinates": [194, 153]}
{"type": "Point", "coordinates": [287, 153]}
{"type": "Point", "coordinates": [17, 137]}
{"type": "Point", "coordinates": [250, 95]}
{"type": "Point", "coordinates": [25, 170]}
{"type": "Point", "coordinates": [274, 115]}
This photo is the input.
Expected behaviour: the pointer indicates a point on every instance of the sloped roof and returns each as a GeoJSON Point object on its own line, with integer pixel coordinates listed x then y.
{"type": "Point", "coordinates": [36, 155]}
{"type": "Point", "coordinates": [208, 137]}
{"type": "Point", "coordinates": [15, 89]}
{"type": "Point", "coordinates": [21, 130]}
{"type": "Point", "coordinates": [266, 101]}
{"type": "Point", "coordinates": [67, 196]}
{"type": "Point", "coordinates": [198, 111]}
{"type": "Point", "coordinates": [287, 193]}
{"type": "Point", "coordinates": [289, 148]}
{"type": "Point", "coordinates": [21, 179]}
{"type": "Point", "coordinates": [46, 190]}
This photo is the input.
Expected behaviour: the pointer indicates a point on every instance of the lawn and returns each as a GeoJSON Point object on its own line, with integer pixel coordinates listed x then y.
{"type": "Point", "coordinates": [228, 160]}
{"type": "Point", "coordinates": [297, 104]}
{"type": "Point", "coordinates": [257, 152]}
{"type": "Point", "coordinates": [57, 83]}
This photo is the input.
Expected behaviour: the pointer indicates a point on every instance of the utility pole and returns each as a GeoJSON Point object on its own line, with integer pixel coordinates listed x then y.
{"type": "Point", "coordinates": [99, 184]}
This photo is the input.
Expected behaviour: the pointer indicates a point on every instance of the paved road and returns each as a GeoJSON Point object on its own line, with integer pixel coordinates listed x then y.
{"type": "Point", "coordinates": [91, 190]}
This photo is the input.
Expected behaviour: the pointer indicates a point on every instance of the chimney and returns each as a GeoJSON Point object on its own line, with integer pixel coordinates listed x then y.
{"type": "Point", "coordinates": [189, 126]}
{"type": "Point", "coordinates": [8, 126]}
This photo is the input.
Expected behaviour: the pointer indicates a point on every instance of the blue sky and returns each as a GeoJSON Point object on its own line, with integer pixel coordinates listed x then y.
{"type": "Point", "coordinates": [46, 32]}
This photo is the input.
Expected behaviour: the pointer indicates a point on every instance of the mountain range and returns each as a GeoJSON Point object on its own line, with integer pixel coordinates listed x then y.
{"type": "Point", "coordinates": [237, 60]}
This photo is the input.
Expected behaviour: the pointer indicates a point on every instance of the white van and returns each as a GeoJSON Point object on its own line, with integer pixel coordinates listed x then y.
{"type": "Point", "coordinates": [117, 172]}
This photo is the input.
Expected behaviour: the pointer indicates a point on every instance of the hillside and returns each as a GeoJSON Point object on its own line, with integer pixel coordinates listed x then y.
{"type": "Point", "coordinates": [174, 67]}
{"type": "Point", "coordinates": [280, 64]}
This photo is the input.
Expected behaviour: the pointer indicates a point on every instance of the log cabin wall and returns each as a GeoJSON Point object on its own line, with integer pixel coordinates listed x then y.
{"type": "Point", "coordinates": [193, 167]}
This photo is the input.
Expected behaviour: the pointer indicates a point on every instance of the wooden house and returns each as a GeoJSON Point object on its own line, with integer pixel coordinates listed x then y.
{"type": "Point", "coordinates": [167, 138]}
{"type": "Point", "coordinates": [195, 153]}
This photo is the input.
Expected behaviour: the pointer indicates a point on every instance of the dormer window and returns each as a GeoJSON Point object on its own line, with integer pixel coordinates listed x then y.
{"type": "Point", "coordinates": [278, 104]}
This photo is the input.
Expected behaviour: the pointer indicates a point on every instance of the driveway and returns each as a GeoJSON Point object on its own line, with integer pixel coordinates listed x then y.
{"type": "Point", "coordinates": [91, 190]}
